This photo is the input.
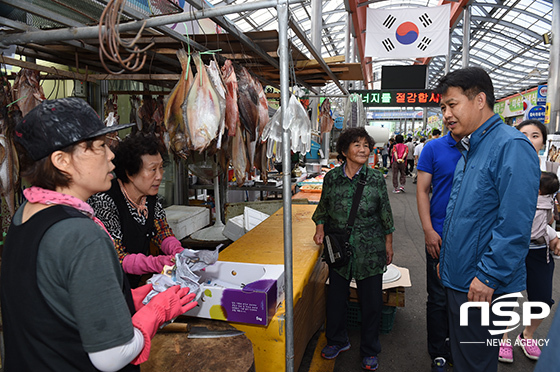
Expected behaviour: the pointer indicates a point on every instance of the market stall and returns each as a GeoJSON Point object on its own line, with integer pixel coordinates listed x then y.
{"type": "Point", "coordinates": [265, 245]}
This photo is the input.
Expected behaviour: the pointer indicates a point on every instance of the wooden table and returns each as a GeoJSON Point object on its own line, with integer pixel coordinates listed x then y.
{"type": "Point", "coordinates": [264, 244]}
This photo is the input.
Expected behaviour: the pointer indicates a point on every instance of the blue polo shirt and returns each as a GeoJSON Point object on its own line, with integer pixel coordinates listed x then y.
{"type": "Point", "coordinates": [439, 157]}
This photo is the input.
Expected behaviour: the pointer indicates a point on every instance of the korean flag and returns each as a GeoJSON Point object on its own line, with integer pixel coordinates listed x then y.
{"type": "Point", "coordinates": [408, 33]}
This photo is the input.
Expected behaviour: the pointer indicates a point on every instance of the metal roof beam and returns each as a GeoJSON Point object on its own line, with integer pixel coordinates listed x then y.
{"type": "Point", "coordinates": [501, 22]}
{"type": "Point", "coordinates": [244, 39]}
{"type": "Point", "coordinates": [299, 32]}
{"type": "Point", "coordinates": [92, 32]}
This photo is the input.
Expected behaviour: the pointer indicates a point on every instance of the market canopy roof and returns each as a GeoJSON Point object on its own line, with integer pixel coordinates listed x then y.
{"type": "Point", "coordinates": [506, 39]}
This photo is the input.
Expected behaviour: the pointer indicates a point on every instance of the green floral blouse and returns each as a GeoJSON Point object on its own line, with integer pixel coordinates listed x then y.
{"type": "Point", "coordinates": [373, 222]}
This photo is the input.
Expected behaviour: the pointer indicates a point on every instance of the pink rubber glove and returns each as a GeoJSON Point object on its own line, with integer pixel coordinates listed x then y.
{"type": "Point", "coordinates": [138, 295]}
{"type": "Point", "coordinates": [138, 264]}
{"type": "Point", "coordinates": [171, 246]}
{"type": "Point", "coordinates": [161, 308]}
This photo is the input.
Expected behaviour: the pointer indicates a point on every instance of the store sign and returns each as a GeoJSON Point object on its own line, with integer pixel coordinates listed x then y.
{"type": "Point", "coordinates": [395, 115]}
{"type": "Point", "coordinates": [397, 98]}
{"type": "Point", "coordinates": [542, 91]}
{"type": "Point", "coordinates": [536, 113]}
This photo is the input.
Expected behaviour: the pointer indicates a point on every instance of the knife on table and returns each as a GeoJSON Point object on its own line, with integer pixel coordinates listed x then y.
{"type": "Point", "coordinates": [200, 332]}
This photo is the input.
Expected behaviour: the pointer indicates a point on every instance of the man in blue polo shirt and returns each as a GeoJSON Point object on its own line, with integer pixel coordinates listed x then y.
{"type": "Point", "coordinates": [436, 167]}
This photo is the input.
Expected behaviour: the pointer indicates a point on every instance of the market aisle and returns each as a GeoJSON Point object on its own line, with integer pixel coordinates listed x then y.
{"type": "Point", "coordinates": [405, 347]}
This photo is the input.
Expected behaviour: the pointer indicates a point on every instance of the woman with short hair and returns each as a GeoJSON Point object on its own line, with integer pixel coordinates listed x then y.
{"type": "Point", "coordinates": [65, 301]}
{"type": "Point", "coordinates": [131, 210]}
{"type": "Point", "coordinates": [371, 244]}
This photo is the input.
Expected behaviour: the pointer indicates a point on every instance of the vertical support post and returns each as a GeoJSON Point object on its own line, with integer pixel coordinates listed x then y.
{"type": "Point", "coordinates": [553, 96]}
{"type": "Point", "coordinates": [347, 36]}
{"type": "Point", "coordinates": [282, 9]}
{"type": "Point", "coordinates": [466, 35]}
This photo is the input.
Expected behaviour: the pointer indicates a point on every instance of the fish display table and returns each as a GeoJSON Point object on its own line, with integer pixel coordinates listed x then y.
{"type": "Point", "coordinates": [264, 244]}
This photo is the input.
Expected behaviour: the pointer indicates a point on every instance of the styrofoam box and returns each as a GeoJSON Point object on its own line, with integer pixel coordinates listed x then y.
{"type": "Point", "coordinates": [234, 228]}
{"type": "Point", "coordinates": [240, 292]}
{"type": "Point", "coordinates": [252, 217]}
{"type": "Point", "coordinates": [185, 220]}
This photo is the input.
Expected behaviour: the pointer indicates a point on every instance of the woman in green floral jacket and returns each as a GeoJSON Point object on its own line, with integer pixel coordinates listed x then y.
{"type": "Point", "coordinates": [371, 243]}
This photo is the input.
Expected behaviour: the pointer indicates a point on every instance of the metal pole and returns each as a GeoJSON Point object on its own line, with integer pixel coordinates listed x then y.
{"type": "Point", "coordinates": [92, 32]}
{"type": "Point", "coordinates": [282, 9]}
{"type": "Point", "coordinates": [347, 36]}
{"type": "Point", "coordinates": [466, 34]}
{"type": "Point", "coordinates": [553, 97]}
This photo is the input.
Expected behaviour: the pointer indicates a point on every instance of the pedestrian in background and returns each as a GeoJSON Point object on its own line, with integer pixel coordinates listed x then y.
{"type": "Point", "coordinates": [398, 156]}
{"type": "Point", "coordinates": [385, 154]}
{"type": "Point", "coordinates": [410, 157]}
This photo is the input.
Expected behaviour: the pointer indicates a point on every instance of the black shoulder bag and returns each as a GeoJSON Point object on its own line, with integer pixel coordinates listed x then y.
{"type": "Point", "coordinates": [336, 244]}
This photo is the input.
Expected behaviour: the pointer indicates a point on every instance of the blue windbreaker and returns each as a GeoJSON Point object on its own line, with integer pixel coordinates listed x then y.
{"type": "Point", "coordinates": [490, 212]}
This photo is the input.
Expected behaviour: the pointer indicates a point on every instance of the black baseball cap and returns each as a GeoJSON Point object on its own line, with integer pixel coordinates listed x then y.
{"type": "Point", "coordinates": [55, 124]}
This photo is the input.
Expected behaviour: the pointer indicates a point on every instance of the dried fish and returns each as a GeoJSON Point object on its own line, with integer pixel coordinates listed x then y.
{"type": "Point", "coordinates": [261, 161]}
{"type": "Point", "coordinates": [232, 110]}
{"type": "Point", "coordinates": [248, 102]}
{"type": "Point", "coordinates": [27, 91]}
{"type": "Point", "coordinates": [203, 109]}
{"type": "Point", "coordinates": [173, 113]}
{"type": "Point", "coordinates": [239, 156]}
{"type": "Point", "coordinates": [9, 164]}
{"type": "Point", "coordinates": [9, 172]}
{"type": "Point", "coordinates": [263, 109]}
{"type": "Point", "coordinates": [216, 77]}
{"type": "Point", "coordinates": [134, 107]}
{"type": "Point", "coordinates": [326, 121]}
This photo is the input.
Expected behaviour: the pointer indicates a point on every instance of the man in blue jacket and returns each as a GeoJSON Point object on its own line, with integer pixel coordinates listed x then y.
{"type": "Point", "coordinates": [489, 215]}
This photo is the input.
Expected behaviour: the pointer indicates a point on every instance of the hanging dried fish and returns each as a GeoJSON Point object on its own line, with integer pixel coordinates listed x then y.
{"type": "Point", "coordinates": [325, 119]}
{"type": "Point", "coordinates": [27, 91]}
{"type": "Point", "coordinates": [239, 156]}
{"type": "Point", "coordinates": [134, 118]}
{"type": "Point", "coordinates": [203, 109]}
{"type": "Point", "coordinates": [9, 164]}
{"type": "Point", "coordinates": [216, 77]}
{"type": "Point", "coordinates": [173, 114]}
{"type": "Point", "coordinates": [263, 109]}
{"type": "Point", "coordinates": [248, 102]}
{"type": "Point", "coordinates": [232, 110]}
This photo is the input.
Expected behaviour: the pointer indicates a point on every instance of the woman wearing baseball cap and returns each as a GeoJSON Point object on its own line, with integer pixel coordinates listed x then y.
{"type": "Point", "coordinates": [66, 304]}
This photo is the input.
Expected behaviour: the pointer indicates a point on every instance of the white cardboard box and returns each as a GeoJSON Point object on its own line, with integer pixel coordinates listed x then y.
{"type": "Point", "coordinates": [240, 292]}
{"type": "Point", "coordinates": [185, 220]}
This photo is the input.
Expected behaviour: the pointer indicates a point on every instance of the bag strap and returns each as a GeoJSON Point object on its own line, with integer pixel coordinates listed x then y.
{"type": "Point", "coordinates": [356, 202]}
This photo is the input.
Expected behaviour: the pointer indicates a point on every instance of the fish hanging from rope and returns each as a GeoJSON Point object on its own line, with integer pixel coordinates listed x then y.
{"type": "Point", "coordinates": [216, 77]}
{"type": "Point", "coordinates": [203, 109]}
{"type": "Point", "coordinates": [173, 118]}
{"type": "Point", "coordinates": [232, 110]}
{"type": "Point", "coordinates": [27, 91]}
{"type": "Point", "coordinates": [239, 156]}
{"type": "Point", "coordinates": [248, 102]}
{"type": "Point", "coordinates": [10, 115]}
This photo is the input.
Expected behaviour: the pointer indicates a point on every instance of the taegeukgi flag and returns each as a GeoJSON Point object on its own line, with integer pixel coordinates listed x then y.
{"type": "Point", "coordinates": [407, 33]}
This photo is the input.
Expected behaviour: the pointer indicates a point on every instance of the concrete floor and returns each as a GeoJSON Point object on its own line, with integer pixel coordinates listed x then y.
{"type": "Point", "coordinates": [405, 347]}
